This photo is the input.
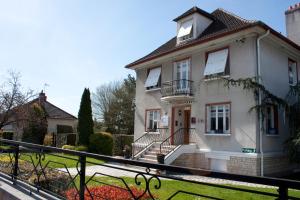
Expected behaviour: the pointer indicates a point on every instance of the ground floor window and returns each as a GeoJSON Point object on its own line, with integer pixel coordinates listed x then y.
{"type": "Point", "coordinates": [272, 119]}
{"type": "Point", "coordinates": [218, 118]}
{"type": "Point", "coordinates": [152, 120]}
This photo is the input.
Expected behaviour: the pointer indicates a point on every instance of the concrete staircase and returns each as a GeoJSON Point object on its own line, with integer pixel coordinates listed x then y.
{"type": "Point", "coordinates": [150, 155]}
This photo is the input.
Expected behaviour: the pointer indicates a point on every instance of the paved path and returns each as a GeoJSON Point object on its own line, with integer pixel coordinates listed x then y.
{"type": "Point", "coordinates": [110, 169]}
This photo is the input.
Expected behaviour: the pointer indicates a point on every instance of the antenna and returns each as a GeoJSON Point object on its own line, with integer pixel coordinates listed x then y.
{"type": "Point", "coordinates": [45, 85]}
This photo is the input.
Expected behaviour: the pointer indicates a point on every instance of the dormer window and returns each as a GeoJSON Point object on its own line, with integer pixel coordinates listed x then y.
{"type": "Point", "coordinates": [185, 31]}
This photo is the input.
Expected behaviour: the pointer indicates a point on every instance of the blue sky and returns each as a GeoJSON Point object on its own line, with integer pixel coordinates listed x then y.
{"type": "Point", "coordinates": [72, 44]}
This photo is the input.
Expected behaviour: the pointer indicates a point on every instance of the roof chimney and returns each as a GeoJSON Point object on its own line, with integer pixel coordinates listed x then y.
{"type": "Point", "coordinates": [42, 97]}
{"type": "Point", "coordinates": [292, 20]}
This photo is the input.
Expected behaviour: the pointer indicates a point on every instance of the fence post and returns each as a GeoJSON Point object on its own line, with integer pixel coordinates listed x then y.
{"type": "Point", "coordinates": [16, 165]}
{"type": "Point", "coordinates": [283, 192]}
{"type": "Point", "coordinates": [82, 160]}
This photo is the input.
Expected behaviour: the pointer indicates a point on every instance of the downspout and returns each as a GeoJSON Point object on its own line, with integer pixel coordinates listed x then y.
{"type": "Point", "coordinates": [258, 73]}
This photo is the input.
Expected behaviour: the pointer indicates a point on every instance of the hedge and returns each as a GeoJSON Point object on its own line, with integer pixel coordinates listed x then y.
{"type": "Point", "coordinates": [120, 140]}
{"type": "Point", "coordinates": [7, 135]}
{"type": "Point", "coordinates": [101, 143]}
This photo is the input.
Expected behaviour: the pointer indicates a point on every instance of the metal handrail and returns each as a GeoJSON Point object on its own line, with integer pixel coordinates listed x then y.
{"type": "Point", "coordinates": [177, 87]}
{"type": "Point", "coordinates": [148, 139]}
{"type": "Point", "coordinates": [166, 146]}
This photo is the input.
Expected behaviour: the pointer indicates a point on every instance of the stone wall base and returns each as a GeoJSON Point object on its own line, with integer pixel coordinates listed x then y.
{"type": "Point", "coordinates": [273, 165]}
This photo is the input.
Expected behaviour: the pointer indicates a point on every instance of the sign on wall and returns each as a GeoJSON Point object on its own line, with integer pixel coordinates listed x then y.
{"type": "Point", "coordinates": [164, 121]}
{"type": "Point", "coordinates": [248, 150]}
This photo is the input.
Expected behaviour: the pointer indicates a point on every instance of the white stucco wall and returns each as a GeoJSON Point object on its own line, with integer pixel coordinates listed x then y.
{"type": "Point", "coordinates": [243, 123]}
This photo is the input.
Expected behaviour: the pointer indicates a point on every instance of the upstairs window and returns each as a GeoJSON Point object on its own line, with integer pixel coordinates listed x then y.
{"type": "Point", "coordinates": [152, 120]}
{"type": "Point", "coordinates": [218, 118]}
{"type": "Point", "coordinates": [185, 31]}
{"type": "Point", "coordinates": [217, 63]}
{"type": "Point", "coordinates": [153, 79]}
{"type": "Point", "coordinates": [272, 120]}
{"type": "Point", "coordinates": [292, 67]}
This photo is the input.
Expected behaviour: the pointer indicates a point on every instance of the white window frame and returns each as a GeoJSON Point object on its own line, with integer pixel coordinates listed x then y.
{"type": "Point", "coordinates": [158, 85]}
{"type": "Point", "coordinates": [273, 129]}
{"type": "Point", "coordinates": [182, 67]}
{"type": "Point", "coordinates": [292, 72]}
{"type": "Point", "coordinates": [226, 71]}
{"type": "Point", "coordinates": [226, 113]}
{"type": "Point", "coordinates": [152, 118]}
{"type": "Point", "coordinates": [188, 36]}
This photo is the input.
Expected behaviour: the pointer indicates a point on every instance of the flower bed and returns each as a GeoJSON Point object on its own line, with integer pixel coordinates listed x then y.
{"type": "Point", "coordinates": [107, 192]}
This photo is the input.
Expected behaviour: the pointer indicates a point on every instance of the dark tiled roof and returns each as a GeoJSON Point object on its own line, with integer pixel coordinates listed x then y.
{"type": "Point", "coordinates": [192, 11]}
{"type": "Point", "coordinates": [53, 111]}
{"type": "Point", "coordinates": [224, 22]}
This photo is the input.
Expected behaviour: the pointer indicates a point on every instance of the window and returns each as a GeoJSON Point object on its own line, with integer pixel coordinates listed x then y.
{"type": "Point", "coordinates": [217, 63]}
{"type": "Point", "coordinates": [153, 79]}
{"type": "Point", "coordinates": [185, 31]}
{"type": "Point", "coordinates": [272, 120]}
{"type": "Point", "coordinates": [218, 118]}
{"type": "Point", "coordinates": [182, 75]}
{"type": "Point", "coordinates": [292, 67]}
{"type": "Point", "coordinates": [152, 120]}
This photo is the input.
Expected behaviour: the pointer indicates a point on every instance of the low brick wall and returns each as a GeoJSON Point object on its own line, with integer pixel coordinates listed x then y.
{"type": "Point", "coordinates": [194, 160]}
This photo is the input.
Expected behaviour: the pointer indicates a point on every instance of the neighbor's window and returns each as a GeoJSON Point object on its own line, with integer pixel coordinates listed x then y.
{"type": "Point", "coordinates": [292, 72]}
{"type": "Point", "coordinates": [272, 119]}
{"type": "Point", "coordinates": [185, 31]}
{"type": "Point", "coordinates": [152, 120]}
{"type": "Point", "coordinates": [153, 79]}
{"type": "Point", "coordinates": [217, 63]}
{"type": "Point", "coordinates": [218, 118]}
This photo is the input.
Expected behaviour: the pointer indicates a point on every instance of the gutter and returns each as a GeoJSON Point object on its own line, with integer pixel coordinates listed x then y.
{"type": "Point", "coordinates": [258, 77]}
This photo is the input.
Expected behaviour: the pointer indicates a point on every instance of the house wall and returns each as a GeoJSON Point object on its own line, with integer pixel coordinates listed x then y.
{"type": "Point", "coordinates": [243, 123]}
{"type": "Point", "coordinates": [52, 124]}
{"type": "Point", "coordinates": [274, 74]}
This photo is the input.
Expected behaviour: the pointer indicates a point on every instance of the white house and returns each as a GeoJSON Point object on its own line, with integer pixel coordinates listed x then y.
{"type": "Point", "coordinates": [183, 109]}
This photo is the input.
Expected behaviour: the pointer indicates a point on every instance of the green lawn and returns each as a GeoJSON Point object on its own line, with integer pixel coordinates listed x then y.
{"type": "Point", "coordinates": [57, 160]}
{"type": "Point", "coordinates": [169, 187]}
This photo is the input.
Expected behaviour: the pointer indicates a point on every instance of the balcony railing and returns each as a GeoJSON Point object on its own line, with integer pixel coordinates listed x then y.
{"type": "Point", "coordinates": [177, 88]}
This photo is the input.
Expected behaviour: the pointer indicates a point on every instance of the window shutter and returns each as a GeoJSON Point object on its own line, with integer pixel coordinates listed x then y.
{"type": "Point", "coordinates": [216, 62]}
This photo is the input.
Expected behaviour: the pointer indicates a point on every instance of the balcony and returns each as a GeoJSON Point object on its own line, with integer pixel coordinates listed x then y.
{"type": "Point", "coordinates": [177, 90]}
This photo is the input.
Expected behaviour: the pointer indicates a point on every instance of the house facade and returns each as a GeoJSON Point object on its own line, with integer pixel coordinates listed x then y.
{"type": "Point", "coordinates": [185, 111]}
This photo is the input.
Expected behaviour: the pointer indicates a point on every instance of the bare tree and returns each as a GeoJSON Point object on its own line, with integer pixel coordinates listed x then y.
{"type": "Point", "coordinates": [12, 99]}
{"type": "Point", "coordinates": [103, 98]}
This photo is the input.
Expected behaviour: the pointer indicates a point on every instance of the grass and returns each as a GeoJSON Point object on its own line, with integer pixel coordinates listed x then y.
{"type": "Point", "coordinates": [169, 187]}
{"type": "Point", "coordinates": [57, 160]}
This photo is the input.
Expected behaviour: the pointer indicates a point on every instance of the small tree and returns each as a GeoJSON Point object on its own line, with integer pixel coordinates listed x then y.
{"type": "Point", "coordinates": [85, 119]}
{"type": "Point", "coordinates": [36, 128]}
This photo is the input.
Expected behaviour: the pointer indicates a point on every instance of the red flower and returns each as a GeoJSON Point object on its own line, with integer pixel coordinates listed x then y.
{"type": "Point", "coordinates": [107, 192]}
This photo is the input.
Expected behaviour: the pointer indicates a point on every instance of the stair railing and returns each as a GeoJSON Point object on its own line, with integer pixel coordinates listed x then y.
{"type": "Point", "coordinates": [178, 138]}
{"type": "Point", "coordinates": [148, 139]}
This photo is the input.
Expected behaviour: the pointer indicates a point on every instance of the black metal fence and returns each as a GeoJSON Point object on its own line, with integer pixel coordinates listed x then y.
{"type": "Point", "coordinates": [48, 169]}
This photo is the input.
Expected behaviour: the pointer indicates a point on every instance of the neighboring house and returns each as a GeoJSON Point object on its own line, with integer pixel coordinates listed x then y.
{"type": "Point", "coordinates": [208, 125]}
{"type": "Point", "coordinates": [55, 116]}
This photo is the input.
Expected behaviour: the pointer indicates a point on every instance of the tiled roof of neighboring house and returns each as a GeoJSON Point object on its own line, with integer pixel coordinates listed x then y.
{"type": "Point", "coordinates": [224, 23]}
{"type": "Point", "coordinates": [53, 111]}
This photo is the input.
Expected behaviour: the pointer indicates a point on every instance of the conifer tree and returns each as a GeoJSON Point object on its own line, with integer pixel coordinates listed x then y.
{"type": "Point", "coordinates": [85, 119]}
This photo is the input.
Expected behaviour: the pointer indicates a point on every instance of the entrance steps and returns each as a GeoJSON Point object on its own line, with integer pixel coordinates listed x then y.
{"type": "Point", "coordinates": [151, 153]}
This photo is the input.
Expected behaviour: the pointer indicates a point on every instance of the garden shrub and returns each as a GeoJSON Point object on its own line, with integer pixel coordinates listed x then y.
{"type": "Point", "coordinates": [69, 147]}
{"type": "Point", "coordinates": [7, 135]}
{"type": "Point", "coordinates": [108, 192]}
{"type": "Point", "coordinates": [120, 141]}
{"type": "Point", "coordinates": [101, 143]}
{"type": "Point", "coordinates": [48, 140]}
{"type": "Point", "coordinates": [81, 148]}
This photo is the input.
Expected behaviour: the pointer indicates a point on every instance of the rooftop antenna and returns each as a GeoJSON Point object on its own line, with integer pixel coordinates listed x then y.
{"type": "Point", "coordinates": [45, 85]}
